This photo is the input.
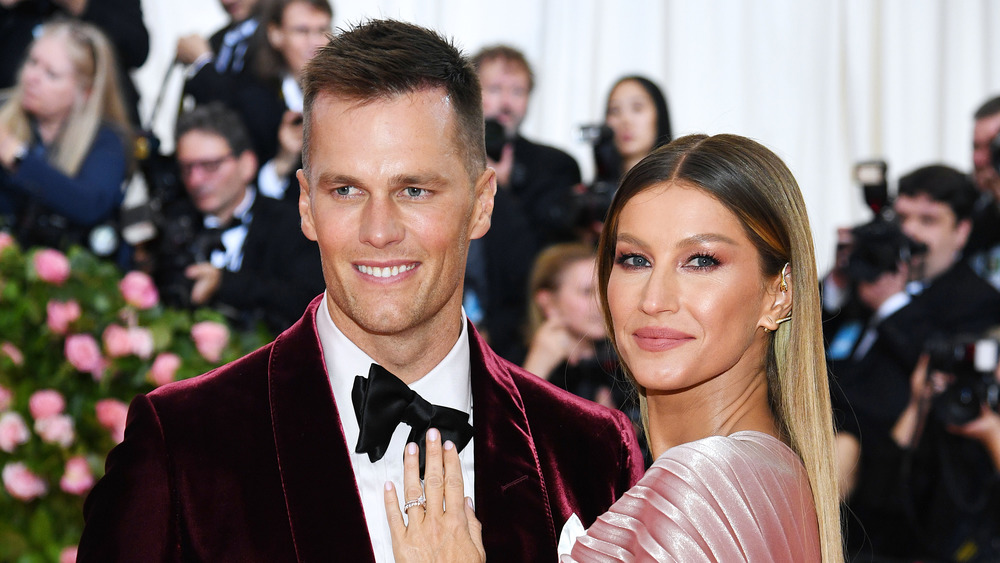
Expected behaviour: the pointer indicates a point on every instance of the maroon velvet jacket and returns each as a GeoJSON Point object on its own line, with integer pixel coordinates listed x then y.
{"type": "Point", "coordinates": [249, 463]}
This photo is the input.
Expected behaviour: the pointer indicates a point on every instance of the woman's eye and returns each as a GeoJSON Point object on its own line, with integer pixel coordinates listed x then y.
{"type": "Point", "coordinates": [702, 261]}
{"type": "Point", "coordinates": [633, 261]}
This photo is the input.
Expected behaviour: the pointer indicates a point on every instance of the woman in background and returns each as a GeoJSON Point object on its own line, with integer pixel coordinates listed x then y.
{"type": "Point", "coordinates": [63, 139]}
{"type": "Point", "coordinates": [567, 342]}
{"type": "Point", "coordinates": [708, 285]}
{"type": "Point", "coordinates": [637, 113]}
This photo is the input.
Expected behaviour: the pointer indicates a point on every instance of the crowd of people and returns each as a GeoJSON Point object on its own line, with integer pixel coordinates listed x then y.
{"type": "Point", "coordinates": [879, 380]}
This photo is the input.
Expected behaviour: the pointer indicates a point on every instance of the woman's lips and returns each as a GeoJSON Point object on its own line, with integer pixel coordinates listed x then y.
{"type": "Point", "coordinates": [652, 339]}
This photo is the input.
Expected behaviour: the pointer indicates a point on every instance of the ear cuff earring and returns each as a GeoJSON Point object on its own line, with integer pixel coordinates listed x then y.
{"type": "Point", "coordinates": [784, 281]}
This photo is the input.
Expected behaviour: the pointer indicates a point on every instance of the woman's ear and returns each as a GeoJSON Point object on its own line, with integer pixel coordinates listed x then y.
{"type": "Point", "coordinates": [545, 300]}
{"type": "Point", "coordinates": [777, 300]}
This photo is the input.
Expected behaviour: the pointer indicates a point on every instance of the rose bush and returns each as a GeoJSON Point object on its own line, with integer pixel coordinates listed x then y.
{"type": "Point", "coordinates": [78, 340]}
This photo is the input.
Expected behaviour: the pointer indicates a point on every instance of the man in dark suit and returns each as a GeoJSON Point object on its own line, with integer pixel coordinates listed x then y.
{"type": "Point", "coordinates": [284, 454]}
{"type": "Point", "coordinates": [534, 201]}
{"type": "Point", "coordinates": [226, 246]}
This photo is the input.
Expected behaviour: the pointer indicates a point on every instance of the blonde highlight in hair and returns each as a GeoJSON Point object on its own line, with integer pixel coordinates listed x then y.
{"type": "Point", "coordinates": [100, 102]}
{"type": "Point", "coordinates": [757, 187]}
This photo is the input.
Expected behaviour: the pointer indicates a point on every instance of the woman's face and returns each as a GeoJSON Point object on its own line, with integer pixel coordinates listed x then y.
{"type": "Point", "coordinates": [686, 293]}
{"type": "Point", "coordinates": [50, 82]}
{"type": "Point", "coordinates": [575, 301]}
{"type": "Point", "coordinates": [631, 115]}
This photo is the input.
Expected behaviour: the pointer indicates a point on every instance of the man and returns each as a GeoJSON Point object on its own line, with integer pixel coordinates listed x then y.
{"type": "Point", "coordinates": [533, 202]}
{"type": "Point", "coordinates": [983, 248]}
{"type": "Point", "coordinates": [226, 246]}
{"type": "Point", "coordinates": [271, 458]}
{"type": "Point", "coordinates": [934, 207]}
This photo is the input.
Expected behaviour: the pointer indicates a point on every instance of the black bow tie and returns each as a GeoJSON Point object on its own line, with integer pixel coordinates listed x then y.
{"type": "Point", "coordinates": [382, 401]}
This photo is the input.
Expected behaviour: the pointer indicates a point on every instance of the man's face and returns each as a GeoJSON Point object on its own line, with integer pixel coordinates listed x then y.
{"type": "Point", "coordinates": [215, 178]}
{"type": "Point", "coordinates": [302, 32]}
{"type": "Point", "coordinates": [238, 10]}
{"type": "Point", "coordinates": [934, 224]}
{"type": "Point", "coordinates": [984, 131]}
{"type": "Point", "coordinates": [505, 93]}
{"type": "Point", "coordinates": [391, 204]}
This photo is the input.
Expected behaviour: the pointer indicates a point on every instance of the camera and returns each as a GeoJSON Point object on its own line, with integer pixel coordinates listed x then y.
{"type": "Point", "coordinates": [971, 363]}
{"type": "Point", "coordinates": [182, 240]}
{"type": "Point", "coordinates": [871, 175]}
{"type": "Point", "coordinates": [590, 203]}
{"type": "Point", "coordinates": [496, 138]}
{"type": "Point", "coordinates": [877, 248]}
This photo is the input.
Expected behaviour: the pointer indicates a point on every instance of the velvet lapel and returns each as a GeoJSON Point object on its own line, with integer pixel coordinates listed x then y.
{"type": "Point", "coordinates": [321, 494]}
{"type": "Point", "coordinates": [511, 498]}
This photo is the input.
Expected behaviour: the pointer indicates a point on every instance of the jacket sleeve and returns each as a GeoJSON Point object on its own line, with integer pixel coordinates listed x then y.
{"type": "Point", "coordinates": [88, 198]}
{"type": "Point", "coordinates": [131, 512]}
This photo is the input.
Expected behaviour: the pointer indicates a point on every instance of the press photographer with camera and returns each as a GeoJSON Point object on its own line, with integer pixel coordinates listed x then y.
{"type": "Point", "coordinates": [933, 209]}
{"type": "Point", "coordinates": [226, 246]}
{"type": "Point", "coordinates": [534, 183]}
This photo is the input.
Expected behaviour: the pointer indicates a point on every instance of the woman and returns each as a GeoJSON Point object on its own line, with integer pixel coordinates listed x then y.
{"type": "Point", "coordinates": [567, 342]}
{"type": "Point", "coordinates": [708, 283]}
{"type": "Point", "coordinates": [637, 114]}
{"type": "Point", "coordinates": [63, 139]}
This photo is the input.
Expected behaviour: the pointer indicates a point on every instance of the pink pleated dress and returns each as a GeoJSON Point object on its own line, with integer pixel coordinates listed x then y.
{"type": "Point", "coordinates": [743, 497]}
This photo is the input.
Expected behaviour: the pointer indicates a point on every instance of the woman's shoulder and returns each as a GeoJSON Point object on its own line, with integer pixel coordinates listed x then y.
{"type": "Point", "coordinates": [724, 498]}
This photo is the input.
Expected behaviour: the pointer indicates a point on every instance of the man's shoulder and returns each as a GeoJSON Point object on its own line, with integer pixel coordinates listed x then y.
{"type": "Point", "coordinates": [232, 386]}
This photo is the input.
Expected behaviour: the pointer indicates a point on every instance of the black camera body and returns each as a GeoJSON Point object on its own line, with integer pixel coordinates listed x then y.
{"type": "Point", "coordinates": [971, 362]}
{"type": "Point", "coordinates": [182, 240]}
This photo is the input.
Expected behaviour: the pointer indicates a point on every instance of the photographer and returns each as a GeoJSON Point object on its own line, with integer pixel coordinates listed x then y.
{"type": "Point", "coordinates": [227, 247]}
{"type": "Point", "coordinates": [534, 184]}
{"type": "Point", "coordinates": [937, 476]}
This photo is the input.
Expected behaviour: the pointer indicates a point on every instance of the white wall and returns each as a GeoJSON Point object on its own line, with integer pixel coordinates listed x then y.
{"type": "Point", "coordinates": [824, 84]}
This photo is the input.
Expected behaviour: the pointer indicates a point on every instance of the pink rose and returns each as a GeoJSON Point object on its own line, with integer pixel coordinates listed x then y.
{"type": "Point", "coordinates": [116, 341]}
{"type": "Point", "coordinates": [52, 266]}
{"type": "Point", "coordinates": [164, 368]}
{"type": "Point", "coordinates": [13, 431]}
{"type": "Point", "coordinates": [61, 314]}
{"type": "Point", "coordinates": [68, 554]}
{"type": "Point", "coordinates": [84, 354]}
{"type": "Point", "coordinates": [21, 483]}
{"type": "Point", "coordinates": [13, 353]}
{"type": "Point", "coordinates": [56, 429]}
{"type": "Point", "coordinates": [77, 479]}
{"type": "Point", "coordinates": [141, 341]}
{"type": "Point", "coordinates": [111, 414]}
{"type": "Point", "coordinates": [46, 403]}
{"type": "Point", "coordinates": [139, 290]}
{"type": "Point", "coordinates": [6, 398]}
{"type": "Point", "coordinates": [6, 241]}
{"type": "Point", "coordinates": [210, 338]}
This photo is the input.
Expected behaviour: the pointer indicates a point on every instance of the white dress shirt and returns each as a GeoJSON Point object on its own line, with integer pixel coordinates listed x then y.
{"type": "Point", "coordinates": [231, 256]}
{"type": "Point", "coordinates": [447, 384]}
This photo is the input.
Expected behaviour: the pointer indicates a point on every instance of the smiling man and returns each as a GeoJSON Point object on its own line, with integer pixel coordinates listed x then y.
{"type": "Point", "coordinates": [285, 454]}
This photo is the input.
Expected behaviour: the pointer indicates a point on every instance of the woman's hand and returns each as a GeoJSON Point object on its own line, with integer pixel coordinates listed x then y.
{"type": "Point", "coordinates": [551, 345]}
{"type": "Point", "coordinates": [444, 528]}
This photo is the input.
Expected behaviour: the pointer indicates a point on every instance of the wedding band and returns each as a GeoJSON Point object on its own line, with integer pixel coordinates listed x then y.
{"type": "Point", "coordinates": [421, 501]}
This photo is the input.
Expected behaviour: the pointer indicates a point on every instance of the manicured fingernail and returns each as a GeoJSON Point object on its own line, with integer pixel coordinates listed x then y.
{"type": "Point", "coordinates": [449, 445]}
{"type": "Point", "coordinates": [468, 501]}
{"type": "Point", "coordinates": [433, 434]}
{"type": "Point", "coordinates": [388, 485]}
{"type": "Point", "coordinates": [411, 448]}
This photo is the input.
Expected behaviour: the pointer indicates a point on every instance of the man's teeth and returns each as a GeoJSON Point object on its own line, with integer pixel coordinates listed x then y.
{"type": "Point", "coordinates": [385, 272]}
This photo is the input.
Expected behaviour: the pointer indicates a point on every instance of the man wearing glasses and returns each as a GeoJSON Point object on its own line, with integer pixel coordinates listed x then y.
{"type": "Point", "coordinates": [225, 246]}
